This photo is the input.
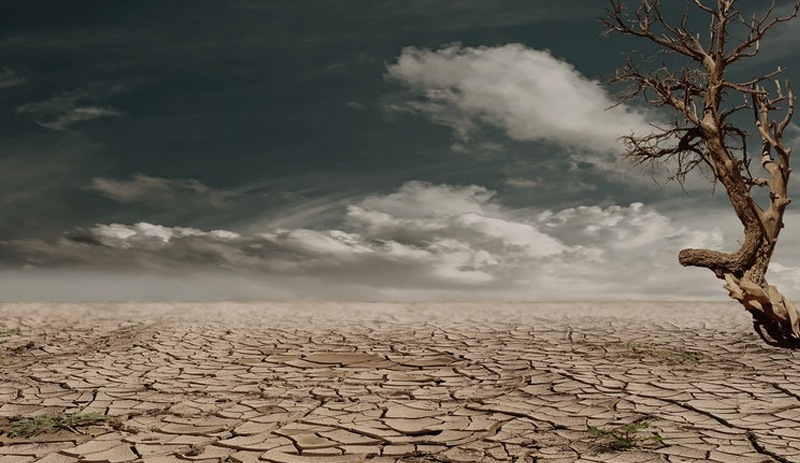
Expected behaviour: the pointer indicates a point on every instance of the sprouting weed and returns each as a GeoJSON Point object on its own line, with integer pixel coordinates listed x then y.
{"type": "Point", "coordinates": [33, 425]}
{"type": "Point", "coordinates": [624, 437]}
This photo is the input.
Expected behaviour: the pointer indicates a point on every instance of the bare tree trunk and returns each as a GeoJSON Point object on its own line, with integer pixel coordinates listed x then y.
{"type": "Point", "coordinates": [703, 136]}
{"type": "Point", "coordinates": [745, 271]}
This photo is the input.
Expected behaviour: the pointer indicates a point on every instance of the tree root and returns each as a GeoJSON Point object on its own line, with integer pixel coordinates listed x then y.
{"type": "Point", "coordinates": [771, 311]}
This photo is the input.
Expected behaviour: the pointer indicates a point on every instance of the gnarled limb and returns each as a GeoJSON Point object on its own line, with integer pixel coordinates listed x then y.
{"type": "Point", "coordinates": [697, 94]}
{"type": "Point", "coordinates": [769, 308]}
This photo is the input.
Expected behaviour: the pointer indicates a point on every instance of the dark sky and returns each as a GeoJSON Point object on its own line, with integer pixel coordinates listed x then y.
{"type": "Point", "coordinates": [331, 149]}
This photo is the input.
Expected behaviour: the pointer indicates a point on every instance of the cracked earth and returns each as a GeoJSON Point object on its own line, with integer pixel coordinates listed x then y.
{"type": "Point", "coordinates": [341, 383]}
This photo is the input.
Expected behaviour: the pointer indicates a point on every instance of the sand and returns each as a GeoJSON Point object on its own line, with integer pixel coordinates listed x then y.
{"type": "Point", "coordinates": [427, 382]}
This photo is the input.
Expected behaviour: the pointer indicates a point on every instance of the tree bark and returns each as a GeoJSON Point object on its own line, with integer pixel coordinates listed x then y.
{"type": "Point", "coordinates": [702, 98]}
{"type": "Point", "coordinates": [745, 271]}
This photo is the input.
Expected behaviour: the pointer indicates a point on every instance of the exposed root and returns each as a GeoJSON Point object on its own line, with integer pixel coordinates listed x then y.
{"type": "Point", "coordinates": [771, 311]}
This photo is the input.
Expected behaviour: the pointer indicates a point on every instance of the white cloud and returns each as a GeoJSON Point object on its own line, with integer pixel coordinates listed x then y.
{"type": "Point", "coordinates": [126, 237]}
{"type": "Point", "coordinates": [9, 78]}
{"type": "Point", "coordinates": [63, 110]}
{"type": "Point", "coordinates": [528, 93]}
{"type": "Point", "coordinates": [420, 199]}
{"type": "Point", "coordinates": [160, 191]}
{"type": "Point", "coordinates": [567, 186]}
{"type": "Point", "coordinates": [422, 241]}
{"type": "Point", "coordinates": [627, 228]}
{"type": "Point", "coordinates": [80, 114]}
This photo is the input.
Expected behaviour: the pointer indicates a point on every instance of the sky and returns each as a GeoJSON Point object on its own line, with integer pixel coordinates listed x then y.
{"type": "Point", "coordinates": [371, 150]}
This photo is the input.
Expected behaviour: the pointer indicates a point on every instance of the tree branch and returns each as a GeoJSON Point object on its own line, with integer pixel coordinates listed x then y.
{"type": "Point", "coordinates": [758, 28]}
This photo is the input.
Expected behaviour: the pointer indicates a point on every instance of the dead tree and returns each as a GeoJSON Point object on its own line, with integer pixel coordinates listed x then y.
{"type": "Point", "coordinates": [710, 116]}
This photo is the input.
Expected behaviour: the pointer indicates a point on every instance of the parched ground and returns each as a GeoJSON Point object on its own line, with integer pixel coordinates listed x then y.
{"type": "Point", "coordinates": [342, 382]}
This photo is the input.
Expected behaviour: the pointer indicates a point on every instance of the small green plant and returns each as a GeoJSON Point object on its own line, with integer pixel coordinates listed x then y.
{"type": "Point", "coordinates": [624, 437]}
{"type": "Point", "coordinates": [31, 426]}
{"type": "Point", "coordinates": [670, 355]}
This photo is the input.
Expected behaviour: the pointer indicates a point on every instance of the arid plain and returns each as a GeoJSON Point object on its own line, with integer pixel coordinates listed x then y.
{"type": "Point", "coordinates": [426, 382]}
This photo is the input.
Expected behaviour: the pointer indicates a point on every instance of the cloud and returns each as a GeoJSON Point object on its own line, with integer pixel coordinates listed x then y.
{"type": "Point", "coordinates": [529, 94]}
{"type": "Point", "coordinates": [9, 78]}
{"type": "Point", "coordinates": [424, 241]}
{"type": "Point", "coordinates": [616, 228]}
{"type": "Point", "coordinates": [80, 114]}
{"type": "Point", "coordinates": [63, 110]}
{"type": "Point", "coordinates": [420, 199]}
{"type": "Point", "coordinates": [38, 176]}
{"type": "Point", "coordinates": [569, 186]}
{"type": "Point", "coordinates": [160, 191]}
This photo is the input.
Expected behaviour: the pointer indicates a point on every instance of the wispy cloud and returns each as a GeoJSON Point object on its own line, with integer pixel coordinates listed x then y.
{"type": "Point", "coordinates": [63, 110]}
{"type": "Point", "coordinates": [37, 178]}
{"type": "Point", "coordinates": [528, 93]}
{"type": "Point", "coordinates": [423, 240]}
{"type": "Point", "coordinates": [539, 183]}
{"type": "Point", "coordinates": [79, 114]}
{"type": "Point", "coordinates": [9, 78]}
{"type": "Point", "coordinates": [160, 191]}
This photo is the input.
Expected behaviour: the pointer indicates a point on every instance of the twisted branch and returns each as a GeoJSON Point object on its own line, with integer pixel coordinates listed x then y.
{"type": "Point", "coordinates": [697, 93]}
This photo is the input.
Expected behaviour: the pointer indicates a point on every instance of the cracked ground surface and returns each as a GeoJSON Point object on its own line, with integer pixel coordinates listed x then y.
{"type": "Point", "coordinates": [337, 382]}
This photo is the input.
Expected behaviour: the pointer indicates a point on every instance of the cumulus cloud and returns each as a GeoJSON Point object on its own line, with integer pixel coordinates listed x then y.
{"type": "Point", "coordinates": [635, 227]}
{"type": "Point", "coordinates": [420, 199]}
{"type": "Point", "coordinates": [421, 241]}
{"type": "Point", "coordinates": [528, 93]}
{"type": "Point", "coordinates": [63, 110]}
{"type": "Point", "coordinates": [9, 78]}
{"type": "Point", "coordinates": [160, 191]}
